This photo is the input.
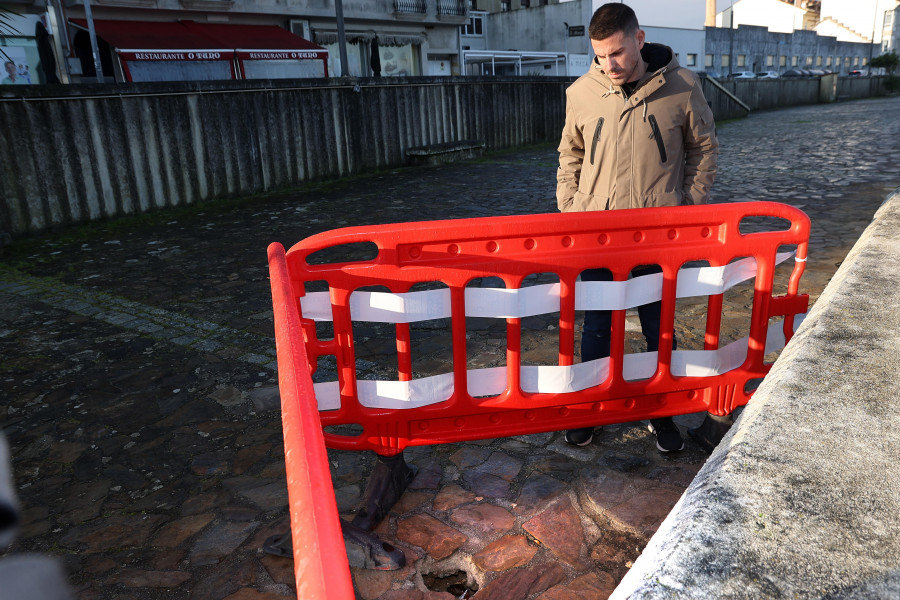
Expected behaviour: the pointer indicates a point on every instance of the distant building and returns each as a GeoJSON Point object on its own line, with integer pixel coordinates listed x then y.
{"type": "Point", "coordinates": [524, 37]}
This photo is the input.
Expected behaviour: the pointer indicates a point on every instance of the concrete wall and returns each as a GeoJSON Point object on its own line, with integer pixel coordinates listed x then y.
{"type": "Point", "coordinates": [758, 43]}
{"type": "Point", "coordinates": [73, 154]}
{"type": "Point", "coordinates": [80, 153]}
{"type": "Point", "coordinates": [800, 499]}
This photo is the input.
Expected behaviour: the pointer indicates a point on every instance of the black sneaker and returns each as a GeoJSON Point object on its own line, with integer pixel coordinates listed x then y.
{"type": "Point", "coordinates": [668, 438]}
{"type": "Point", "coordinates": [580, 437]}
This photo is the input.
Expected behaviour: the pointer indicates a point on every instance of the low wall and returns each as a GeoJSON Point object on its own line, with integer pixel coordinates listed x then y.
{"type": "Point", "coordinates": [73, 154]}
{"type": "Point", "coordinates": [800, 499]}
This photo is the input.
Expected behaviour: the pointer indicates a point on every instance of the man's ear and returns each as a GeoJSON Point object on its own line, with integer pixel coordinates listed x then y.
{"type": "Point", "coordinates": [639, 36]}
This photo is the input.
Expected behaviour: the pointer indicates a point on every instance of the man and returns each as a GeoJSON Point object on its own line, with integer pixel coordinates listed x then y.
{"type": "Point", "coordinates": [12, 77]}
{"type": "Point", "coordinates": [638, 133]}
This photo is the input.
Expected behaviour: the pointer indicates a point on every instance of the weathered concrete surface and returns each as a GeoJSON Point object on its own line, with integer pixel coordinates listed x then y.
{"type": "Point", "coordinates": [801, 498]}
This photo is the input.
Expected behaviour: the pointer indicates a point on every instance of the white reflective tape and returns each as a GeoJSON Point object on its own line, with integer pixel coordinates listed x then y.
{"type": "Point", "coordinates": [316, 306]}
{"type": "Point", "coordinates": [328, 395]}
{"type": "Point", "coordinates": [503, 303]}
{"type": "Point", "coordinates": [549, 379]}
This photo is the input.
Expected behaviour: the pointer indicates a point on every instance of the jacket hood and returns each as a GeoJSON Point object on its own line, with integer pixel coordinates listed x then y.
{"type": "Point", "coordinates": [657, 56]}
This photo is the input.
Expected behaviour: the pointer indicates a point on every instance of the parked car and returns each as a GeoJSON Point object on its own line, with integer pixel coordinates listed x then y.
{"type": "Point", "coordinates": [743, 75]}
{"type": "Point", "coordinates": [713, 74]}
{"type": "Point", "coordinates": [793, 73]}
{"type": "Point", "coordinates": [767, 75]}
{"type": "Point", "coordinates": [858, 73]}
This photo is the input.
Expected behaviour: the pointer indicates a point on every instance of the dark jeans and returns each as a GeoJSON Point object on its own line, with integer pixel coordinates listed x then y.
{"type": "Point", "coordinates": [595, 336]}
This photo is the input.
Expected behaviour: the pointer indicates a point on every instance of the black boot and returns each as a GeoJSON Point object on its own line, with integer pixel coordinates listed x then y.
{"type": "Point", "coordinates": [390, 477]}
{"type": "Point", "coordinates": [711, 431]}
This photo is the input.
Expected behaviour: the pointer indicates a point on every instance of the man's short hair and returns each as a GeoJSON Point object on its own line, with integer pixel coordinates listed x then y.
{"type": "Point", "coordinates": [612, 18]}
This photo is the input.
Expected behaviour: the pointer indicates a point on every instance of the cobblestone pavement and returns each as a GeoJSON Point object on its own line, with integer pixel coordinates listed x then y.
{"type": "Point", "coordinates": [140, 398]}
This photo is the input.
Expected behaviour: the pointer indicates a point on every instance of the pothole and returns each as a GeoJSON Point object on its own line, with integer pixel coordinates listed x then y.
{"type": "Point", "coordinates": [457, 584]}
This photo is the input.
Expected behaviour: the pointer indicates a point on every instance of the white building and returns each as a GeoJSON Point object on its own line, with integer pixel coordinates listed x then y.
{"type": "Point", "coordinates": [777, 16]}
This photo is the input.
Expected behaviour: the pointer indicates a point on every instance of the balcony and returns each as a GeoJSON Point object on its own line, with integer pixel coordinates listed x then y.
{"type": "Point", "coordinates": [409, 8]}
{"type": "Point", "coordinates": [453, 8]}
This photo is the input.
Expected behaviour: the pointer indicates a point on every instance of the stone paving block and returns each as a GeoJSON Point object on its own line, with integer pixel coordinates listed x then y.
{"type": "Point", "coordinates": [506, 553]}
{"type": "Point", "coordinates": [559, 528]}
{"type": "Point", "coordinates": [437, 539]}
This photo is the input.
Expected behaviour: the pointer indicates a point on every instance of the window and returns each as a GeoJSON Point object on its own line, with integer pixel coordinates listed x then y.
{"type": "Point", "coordinates": [818, 61]}
{"type": "Point", "coordinates": [808, 61]}
{"type": "Point", "coordinates": [525, 3]}
{"type": "Point", "coordinates": [827, 61]}
{"type": "Point", "coordinates": [475, 26]}
{"type": "Point", "coordinates": [865, 61]}
{"type": "Point", "coordinates": [888, 18]}
{"type": "Point", "coordinates": [726, 61]}
{"type": "Point", "coordinates": [793, 61]}
{"type": "Point", "coordinates": [770, 61]}
{"type": "Point", "coordinates": [709, 60]}
{"type": "Point", "coordinates": [504, 5]}
{"type": "Point", "coordinates": [691, 60]}
{"type": "Point", "coordinates": [855, 61]}
{"type": "Point", "coordinates": [742, 60]}
{"type": "Point", "coordinates": [782, 61]}
{"type": "Point", "coordinates": [837, 61]}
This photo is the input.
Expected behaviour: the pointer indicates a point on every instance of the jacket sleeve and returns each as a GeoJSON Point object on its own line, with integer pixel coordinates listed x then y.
{"type": "Point", "coordinates": [571, 156]}
{"type": "Point", "coordinates": [701, 149]}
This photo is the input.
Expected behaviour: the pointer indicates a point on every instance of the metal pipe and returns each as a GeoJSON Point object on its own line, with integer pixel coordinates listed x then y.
{"type": "Point", "coordinates": [342, 37]}
{"type": "Point", "coordinates": [93, 35]}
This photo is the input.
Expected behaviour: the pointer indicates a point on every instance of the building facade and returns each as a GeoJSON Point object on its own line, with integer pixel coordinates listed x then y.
{"type": "Point", "coordinates": [383, 37]}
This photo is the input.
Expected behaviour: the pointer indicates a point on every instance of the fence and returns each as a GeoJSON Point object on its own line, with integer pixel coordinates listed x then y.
{"type": "Point", "coordinates": [515, 399]}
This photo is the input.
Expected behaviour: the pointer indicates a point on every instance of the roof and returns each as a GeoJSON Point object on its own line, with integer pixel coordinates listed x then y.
{"type": "Point", "coordinates": [127, 36]}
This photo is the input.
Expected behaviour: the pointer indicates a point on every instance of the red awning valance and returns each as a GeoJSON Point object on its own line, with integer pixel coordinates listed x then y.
{"type": "Point", "coordinates": [138, 36]}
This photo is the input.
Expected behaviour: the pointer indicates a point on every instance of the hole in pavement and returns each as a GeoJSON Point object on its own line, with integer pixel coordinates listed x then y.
{"type": "Point", "coordinates": [456, 584]}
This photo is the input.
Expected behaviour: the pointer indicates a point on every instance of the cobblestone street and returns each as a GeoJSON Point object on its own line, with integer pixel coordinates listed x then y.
{"type": "Point", "coordinates": [140, 394]}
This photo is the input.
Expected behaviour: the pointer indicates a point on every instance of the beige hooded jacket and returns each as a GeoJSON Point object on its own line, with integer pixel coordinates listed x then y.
{"type": "Point", "coordinates": [655, 148]}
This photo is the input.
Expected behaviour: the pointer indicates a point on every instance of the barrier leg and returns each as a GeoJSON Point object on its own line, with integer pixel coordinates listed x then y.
{"type": "Point", "coordinates": [711, 431]}
{"type": "Point", "coordinates": [390, 477]}
{"type": "Point", "coordinates": [364, 549]}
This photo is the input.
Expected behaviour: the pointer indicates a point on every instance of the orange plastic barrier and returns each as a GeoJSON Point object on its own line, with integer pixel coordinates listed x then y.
{"type": "Point", "coordinates": [320, 560]}
{"type": "Point", "coordinates": [514, 400]}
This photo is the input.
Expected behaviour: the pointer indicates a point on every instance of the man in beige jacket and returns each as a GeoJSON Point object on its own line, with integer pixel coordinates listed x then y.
{"type": "Point", "coordinates": [638, 133]}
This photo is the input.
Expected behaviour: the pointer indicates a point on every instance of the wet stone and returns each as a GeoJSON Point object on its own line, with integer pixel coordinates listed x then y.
{"type": "Point", "coordinates": [485, 519]}
{"type": "Point", "coordinates": [172, 534]}
{"type": "Point", "coordinates": [558, 527]}
{"type": "Point", "coordinates": [154, 579]}
{"type": "Point", "coordinates": [437, 539]}
{"type": "Point", "coordinates": [219, 541]}
{"type": "Point", "coordinates": [537, 491]}
{"type": "Point", "coordinates": [522, 583]}
{"type": "Point", "coordinates": [451, 496]}
{"type": "Point", "coordinates": [506, 553]}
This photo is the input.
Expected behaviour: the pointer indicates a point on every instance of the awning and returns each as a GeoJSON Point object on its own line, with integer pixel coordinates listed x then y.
{"type": "Point", "coordinates": [250, 51]}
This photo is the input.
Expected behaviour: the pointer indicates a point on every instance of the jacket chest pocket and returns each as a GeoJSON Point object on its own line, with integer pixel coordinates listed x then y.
{"type": "Point", "coordinates": [656, 134]}
{"type": "Point", "coordinates": [595, 139]}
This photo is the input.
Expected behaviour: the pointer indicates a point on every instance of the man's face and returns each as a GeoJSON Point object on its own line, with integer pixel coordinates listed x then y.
{"type": "Point", "coordinates": [620, 56]}
{"type": "Point", "coordinates": [11, 69]}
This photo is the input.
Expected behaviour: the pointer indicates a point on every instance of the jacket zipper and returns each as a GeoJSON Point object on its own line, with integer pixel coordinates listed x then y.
{"type": "Point", "coordinates": [596, 138]}
{"type": "Point", "coordinates": [658, 137]}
